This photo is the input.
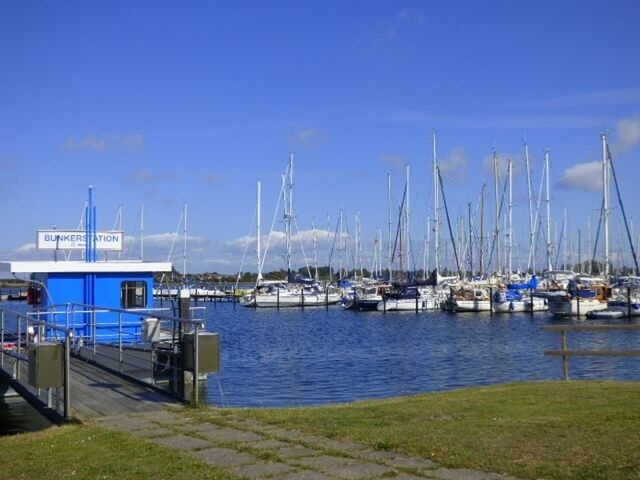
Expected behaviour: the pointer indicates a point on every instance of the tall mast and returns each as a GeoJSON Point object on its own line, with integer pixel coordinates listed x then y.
{"type": "Point", "coordinates": [548, 202]}
{"type": "Point", "coordinates": [605, 186]}
{"type": "Point", "coordinates": [390, 267]}
{"type": "Point", "coordinates": [288, 213]}
{"type": "Point", "coordinates": [497, 218]}
{"type": "Point", "coordinates": [510, 231]}
{"type": "Point", "coordinates": [532, 258]}
{"type": "Point", "coordinates": [315, 253]}
{"type": "Point", "coordinates": [436, 223]}
{"type": "Point", "coordinates": [184, 247]}
{"type": "Point", "coordinates": [482, 195]}
{"type": "Point", "coordinates": [470, 243]}
{"type": "Point", "coordinates": [357, 246]}
{"type": "Point", "coordinates": [259, 231]}
{"type": "Point", "coordinates": [142, 231]}
{"type": "Point", "coordinates": [406, 222]}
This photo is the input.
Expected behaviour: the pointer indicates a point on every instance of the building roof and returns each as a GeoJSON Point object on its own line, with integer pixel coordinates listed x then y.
{"type": "Point", "coordinates": [83, 267]}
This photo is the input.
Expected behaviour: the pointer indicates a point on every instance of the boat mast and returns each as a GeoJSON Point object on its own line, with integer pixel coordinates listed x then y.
{"type": "Point", "coordinates": [406, 223]}
{"type": "Point", "coordinates": [510, 230]}
{"type": "Point", "coordinates": [259, 231]}
{"type": "Point", "coordinates": [605, 186]}
{"type": "Point", "coordinates": [470, 242]}
{"type": "Point", "coordinates": [389, 249]}
{"type": "Point", "coordinates": [436, 223]}
{"type": "Point", "coordinates": [142, 231]}
{"type": "Point", "coordinates": [532, 258]}
{"type": "Point", "coordinates": [184, 247]}
{"type": "Point", "coordinates": [548, 202]}
{"type": "Point", "coordinates": [497, 217]}
{"type": "Point", "coordinates": [482, 195]}
{"type": "Point", "coordinates": [288, 214]}
{"type": "Point", "coordinates": [315, 253]}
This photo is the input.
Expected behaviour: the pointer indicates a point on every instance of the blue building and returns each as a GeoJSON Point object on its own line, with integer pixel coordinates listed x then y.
{"type": "Point", "coordinates": [114, 285]}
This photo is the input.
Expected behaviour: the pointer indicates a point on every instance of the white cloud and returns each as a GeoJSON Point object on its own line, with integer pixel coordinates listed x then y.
{"type": "Point", "coordinates": [584, 176]}
{"type": "Point", "coordinates": [26, 248]}
{"type": "Point", "coordinates": [395, 161]}
{"type": "Point", "coordinates": [146, 176]}
{"type": "Point", "coordinates": [106, 143]}
{"type": "Point", "coordinates": [628, 133]}
{"type": "Point", "coordinates": [307, 137]}
{"type": "Point", "coordinates": [453, 166]}
{"type": "Point", "coordinates": [410, 16]}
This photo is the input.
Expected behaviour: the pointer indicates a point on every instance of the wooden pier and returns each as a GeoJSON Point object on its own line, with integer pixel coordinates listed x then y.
{"type": "Point", "coordinates": [95, 392]}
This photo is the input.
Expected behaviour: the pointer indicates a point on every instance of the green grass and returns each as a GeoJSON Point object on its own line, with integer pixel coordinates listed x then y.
{"type": "Point", "coordinates": [550, 430]}
{"type": "Point", "coordinates": [553, 430]}
{"type": "Point", "coordinates": [89, 452]}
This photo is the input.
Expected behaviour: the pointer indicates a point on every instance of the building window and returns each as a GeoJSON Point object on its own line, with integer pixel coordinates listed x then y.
{"type": "Point", "coordinates": [134, 294]}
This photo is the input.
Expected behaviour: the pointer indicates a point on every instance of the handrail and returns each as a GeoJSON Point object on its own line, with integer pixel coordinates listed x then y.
{"type": "Point", "coordinates": [19, 357]}
{"type": "Point", "coordinates": [565, 352]}
{"type": "Point", "coordinates": [105, 343]}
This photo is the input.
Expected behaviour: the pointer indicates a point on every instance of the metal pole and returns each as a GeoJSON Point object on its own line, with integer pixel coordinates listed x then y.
{"type": "Point", "coordinates": [120, 353]}
{"type": "Point", "coordinates": [2, 338]}
{"type": "Point", "coordinates": [565, 357]}
{"type": "Point", "coordinates": [196, 366]}
{"type": "Point", "coordinates": [67, 376]}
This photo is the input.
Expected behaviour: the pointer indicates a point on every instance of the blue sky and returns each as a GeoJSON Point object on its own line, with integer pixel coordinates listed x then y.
{"type": "Point", "coordinates": [167, 104]}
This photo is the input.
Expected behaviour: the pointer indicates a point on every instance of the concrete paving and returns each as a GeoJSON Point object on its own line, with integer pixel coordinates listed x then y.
{"type": "Point", "coordinates": [256, 451]}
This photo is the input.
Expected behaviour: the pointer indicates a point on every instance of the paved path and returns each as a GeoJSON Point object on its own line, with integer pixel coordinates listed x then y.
{"type": "Point", "coordinates": [257, 451]}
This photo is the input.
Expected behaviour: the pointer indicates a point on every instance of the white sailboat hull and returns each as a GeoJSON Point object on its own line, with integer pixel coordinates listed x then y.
{"type": "Point", "coordinates": [403, 304]}
{"type": "Point", "coordinates": [569, 307]}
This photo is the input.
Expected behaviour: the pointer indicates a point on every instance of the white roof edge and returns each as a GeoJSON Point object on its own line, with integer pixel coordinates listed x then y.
{"type": "Point", "coordinates": [83, 267]}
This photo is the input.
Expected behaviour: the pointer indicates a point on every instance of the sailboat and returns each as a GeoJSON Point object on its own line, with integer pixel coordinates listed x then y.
{"type": "Point", "coordinates": [584, 295]}
{"type": "Point", "coordinates": [291, 292]}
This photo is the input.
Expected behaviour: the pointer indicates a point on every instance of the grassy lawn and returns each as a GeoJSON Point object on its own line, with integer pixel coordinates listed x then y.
{"type": "Point", "coordinates": [550, 430]}
{"type": "Point", "coordinates": [87, 452]}
{"type": "Point", "coordinates": [553, 430]}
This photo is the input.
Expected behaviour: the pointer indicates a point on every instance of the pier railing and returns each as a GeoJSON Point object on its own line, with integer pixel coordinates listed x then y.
{"type": "Point", "coordinates": [144, 345]}
{"type": "Point", "coordinates": [21, 345]}
{"type": "Point", "coordinates": [565, 352]}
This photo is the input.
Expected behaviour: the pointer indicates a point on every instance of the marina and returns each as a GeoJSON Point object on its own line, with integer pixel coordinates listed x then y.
{"type": "Point", "coordinates": [316, 356]}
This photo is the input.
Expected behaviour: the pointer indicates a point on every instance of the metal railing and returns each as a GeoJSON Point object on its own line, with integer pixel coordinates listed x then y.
{"type": "Point", "coordinates": [565, 352]}
{"type": "Point", "coordinates": [115, 339]}
{"type": "Point", "coordinates": [18, 333]}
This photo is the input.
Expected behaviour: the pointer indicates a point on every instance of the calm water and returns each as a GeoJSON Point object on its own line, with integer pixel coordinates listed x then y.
{"type": "Point", "coordinates": [316, 356]}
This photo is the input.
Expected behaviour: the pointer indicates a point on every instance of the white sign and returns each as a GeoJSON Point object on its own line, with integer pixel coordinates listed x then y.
{"type": "Point", "coordinates": [77, 240]}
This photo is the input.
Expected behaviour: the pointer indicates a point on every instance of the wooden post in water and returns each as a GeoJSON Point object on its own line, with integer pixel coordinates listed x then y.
{"type": "Point", "coordinates": [302, 298]}
{"type": "Point", "coordinates": [490, 300]}
{"type": "Point", "coordinates": [565, 358]}
{"type": "Point", "coordinates": [277, 298]}
{"type": "Point", "coordinates": [531, 301]}
{"type": "Point", "coordinates": [629, 303]}
{"type": "Point", "coordinates": [578, 303]}
{"type": "Point", "coordinates": [416, 302]}
{"type": "Point", "coordinates": [326, 296]}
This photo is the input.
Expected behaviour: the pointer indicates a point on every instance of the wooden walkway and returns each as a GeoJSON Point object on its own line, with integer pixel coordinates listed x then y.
{"type": "Point", "coordinates": [96, 392]}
